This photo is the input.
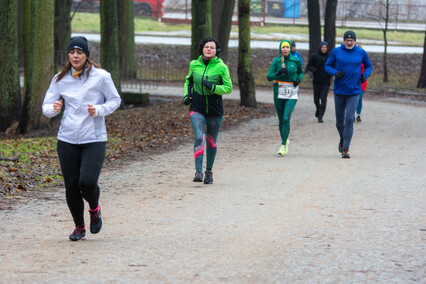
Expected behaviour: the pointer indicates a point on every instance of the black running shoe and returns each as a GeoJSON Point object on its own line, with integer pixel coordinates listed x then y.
{"type": "Point", "coordinates": [320, 120]}
{"type": "Point", "coordinates": [341, 145]}
{"type": "Point", "coordinates": [78, 234]}
{"type": "Point", "coordinates": [358, 118]}
{"type": "Point", "coordinates": [345, 154]}
{"type": "Point", "coordinates": [208, 177]}
{"type": "Point", "coordinates": [95, 220]}
{"type": "Point", "coordinates": [198, 176]}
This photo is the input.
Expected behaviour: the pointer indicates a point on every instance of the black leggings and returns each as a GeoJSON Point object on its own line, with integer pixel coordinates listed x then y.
{"type": "Point", "coordinates": [81, 166]}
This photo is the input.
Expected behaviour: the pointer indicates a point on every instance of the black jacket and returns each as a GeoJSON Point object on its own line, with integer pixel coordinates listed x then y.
{"type": "Point", "coordinates": [317, 61]}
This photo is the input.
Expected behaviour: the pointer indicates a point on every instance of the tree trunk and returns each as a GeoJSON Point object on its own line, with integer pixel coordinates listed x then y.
{"type": "Point", "coordinates": [422, 79]}
{"type": "Point", "coordinates": [222, 11]}
{"type": "Point", "coordinates": [245, 76]}
{"type": "Point", "coordinates": [62, 32]}
{"type": "Point", "coordinates": [385, 58]}
{"type": "Point", "coordinates": [385, 54]}
{"type": "Point", "coordinates": [201, 24]}
{"type": "Point", "coordinates": [20, 33]}
{"type": "Point", "coordinates": [10, 93]}
{"type": "Point", "coordinates": [330, 23]}
{"type": "Point", "coordinates": [110, 59]}
{"type": "Point", "coordinates": [314, 26]}
{"type": "Point", "coordinates": [127, 48]}
{"type": "Point", "coordinates": [39, 62]}
{"type": "Point", "coordinates": [28, 30]}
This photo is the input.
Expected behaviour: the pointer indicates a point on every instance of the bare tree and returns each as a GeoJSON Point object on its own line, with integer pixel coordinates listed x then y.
{"type": "Point", "coordinates": [126, 43]}
{"type": "Point", "coordinates": [330, 23]}
{"type": "Point", "coordinates": [314, 26]}
{"type": "Point", "coordinates": [39, 53]}
{"type": "Point", "coordinates": [10, 94]}
{"type": "Point", "coordinates": [422, 79]}
{"type": "Point", "coordinates": [110, 59]}
{"type": "Point", "coordinates": [382, 17]}
{"type": "Point", "coordinates": [201, 24]}
{"type": "Point", "coordinates": [222, 11]}
{"type": "Point", "coordinates": [62, 29]}
{"type": "Point", "coordinates": [245, 76]}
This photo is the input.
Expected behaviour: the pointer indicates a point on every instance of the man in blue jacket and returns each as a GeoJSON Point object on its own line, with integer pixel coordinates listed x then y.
{"type": "Point", "coordinates": [344, 63]}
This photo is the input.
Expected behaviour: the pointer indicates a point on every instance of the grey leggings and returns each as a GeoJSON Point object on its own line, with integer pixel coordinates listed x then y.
{"type": "Point", "coordinates": [199, 122]}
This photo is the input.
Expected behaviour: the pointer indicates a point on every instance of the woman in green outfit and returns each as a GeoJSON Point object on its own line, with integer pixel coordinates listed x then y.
{"type": "Point", "coordinates": [286, 71]}
{"type": "Point", "coordinates": [208, 79]}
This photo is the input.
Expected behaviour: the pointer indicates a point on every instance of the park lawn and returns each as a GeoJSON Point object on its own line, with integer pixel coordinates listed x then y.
{"type": "Point", "coordinates": [90, 23]}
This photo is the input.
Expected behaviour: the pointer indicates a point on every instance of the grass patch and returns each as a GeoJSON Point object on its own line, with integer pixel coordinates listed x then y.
{"type": "Point", "coordinates": [90, 23]}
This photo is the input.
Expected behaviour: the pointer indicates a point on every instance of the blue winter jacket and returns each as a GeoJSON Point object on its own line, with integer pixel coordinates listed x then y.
{"type": "Point", "coordinates": [348, 61]}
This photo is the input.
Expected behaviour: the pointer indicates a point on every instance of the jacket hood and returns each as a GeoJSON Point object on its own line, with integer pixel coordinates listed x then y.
{"type": "Point", "coordinates": [279, 46]}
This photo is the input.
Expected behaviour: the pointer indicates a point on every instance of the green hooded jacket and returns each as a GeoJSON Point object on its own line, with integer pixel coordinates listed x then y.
{"type": "Point", "coordinates": [205, 101]}
{"type": "Point", "coordinates": [292, 64]}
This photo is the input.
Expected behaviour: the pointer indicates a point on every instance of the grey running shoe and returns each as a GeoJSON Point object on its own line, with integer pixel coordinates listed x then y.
{"type": "Point", "coordinates": [95, 220]}
{"type": "Point", "coordinates": [345, 154]}
{"type": "Point", "coordinates": [208, 177]}
{"type": "Point", "coordinates": [78, 234]}
{"type": "Point", "coordinates": [198, 176]}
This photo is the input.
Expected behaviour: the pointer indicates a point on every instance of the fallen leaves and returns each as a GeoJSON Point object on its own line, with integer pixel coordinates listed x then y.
{"type": "Point", "coordinates": [133, 134]}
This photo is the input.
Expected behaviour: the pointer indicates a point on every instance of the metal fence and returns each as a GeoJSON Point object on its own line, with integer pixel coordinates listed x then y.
{"type": "Point", "coordinates": [144, 75]}
{"type": "Point", "coordinates": [403, 14]}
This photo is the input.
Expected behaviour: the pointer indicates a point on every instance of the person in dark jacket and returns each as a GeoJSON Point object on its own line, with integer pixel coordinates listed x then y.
{"type": "Point", "coordinates": [286, 71]}
{"type": "Point", "coordinates": [344, 63]}
{"type": "Point", "coordinates": [321, 81]}
{"type": "Point", "coordinates": [208, 79]}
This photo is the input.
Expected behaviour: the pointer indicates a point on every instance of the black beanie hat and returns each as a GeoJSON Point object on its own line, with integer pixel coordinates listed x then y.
{"type": "Point", "coordinates": [81, 43]}
{"type": "Point", "coordinates": [349, 34]}
{"type": "Point", "coordinates": [293, 43]}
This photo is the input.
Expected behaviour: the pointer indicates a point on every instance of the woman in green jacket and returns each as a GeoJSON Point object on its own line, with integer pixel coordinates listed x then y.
{"type": "Point", "coordinates": [286, 71]}
{"type": "Point", "coordinates": [208, 79]}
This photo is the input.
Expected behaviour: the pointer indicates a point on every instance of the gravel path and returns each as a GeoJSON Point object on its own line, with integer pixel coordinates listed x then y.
{"type": "Point", "coordinates": [309, 217]}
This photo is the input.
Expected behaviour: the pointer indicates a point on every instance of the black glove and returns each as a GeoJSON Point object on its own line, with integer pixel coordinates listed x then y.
{"type": "Point", "coordinates": [209, 85]}
{"type": "Point", "coordinates": [340, 74]}
{"type": "Point", "coordinates": [363, 79]}
{"type": "Point", "coordinates": [187, 101]}
{"type": "Point", "coordinates": [281, 71]}
{"type": "Point", "coordinates": [296, 82]}
{"type": "Point", "coordinates": [312, 69]}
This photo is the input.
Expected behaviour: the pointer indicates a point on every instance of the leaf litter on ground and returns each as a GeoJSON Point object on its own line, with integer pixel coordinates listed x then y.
{"type": "Point", "coordinates": [134, 134]}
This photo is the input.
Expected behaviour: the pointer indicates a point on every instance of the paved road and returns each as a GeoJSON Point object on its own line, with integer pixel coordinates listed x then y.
{"type": "Point", "coordinates": [309, 217]}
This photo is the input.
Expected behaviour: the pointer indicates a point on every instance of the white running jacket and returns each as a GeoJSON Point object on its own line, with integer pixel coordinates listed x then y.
{"type": "Point", "coordinates": [77, 126]}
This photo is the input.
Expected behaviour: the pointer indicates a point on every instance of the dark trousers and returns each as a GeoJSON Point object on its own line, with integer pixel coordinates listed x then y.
{"type": "Point", "coordinates": [320, 98]}
{"type": "Point", "coordinates": [81, 166]}
{"type": "Point", "coordinates": [345, 107]}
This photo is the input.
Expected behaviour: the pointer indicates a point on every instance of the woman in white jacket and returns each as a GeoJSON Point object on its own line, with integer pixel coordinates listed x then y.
{"type": "Point", "coordinates": [88, 94]}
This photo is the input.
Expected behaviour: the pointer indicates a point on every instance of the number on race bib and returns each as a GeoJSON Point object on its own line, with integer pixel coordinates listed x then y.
{"type": "Point", "coordinates": [286, 90]}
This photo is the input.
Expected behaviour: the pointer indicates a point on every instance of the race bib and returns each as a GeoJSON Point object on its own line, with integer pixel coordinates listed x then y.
{"type": "Point", "coordinates": [286, 90]}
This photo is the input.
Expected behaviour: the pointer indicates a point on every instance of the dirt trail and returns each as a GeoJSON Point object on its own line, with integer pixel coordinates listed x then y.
{"type": "Point", "coordinates": [307, 217]}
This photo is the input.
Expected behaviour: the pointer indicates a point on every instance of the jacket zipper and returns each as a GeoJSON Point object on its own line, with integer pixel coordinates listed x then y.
{"type": "Point", "coordinates": [202, 88]}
